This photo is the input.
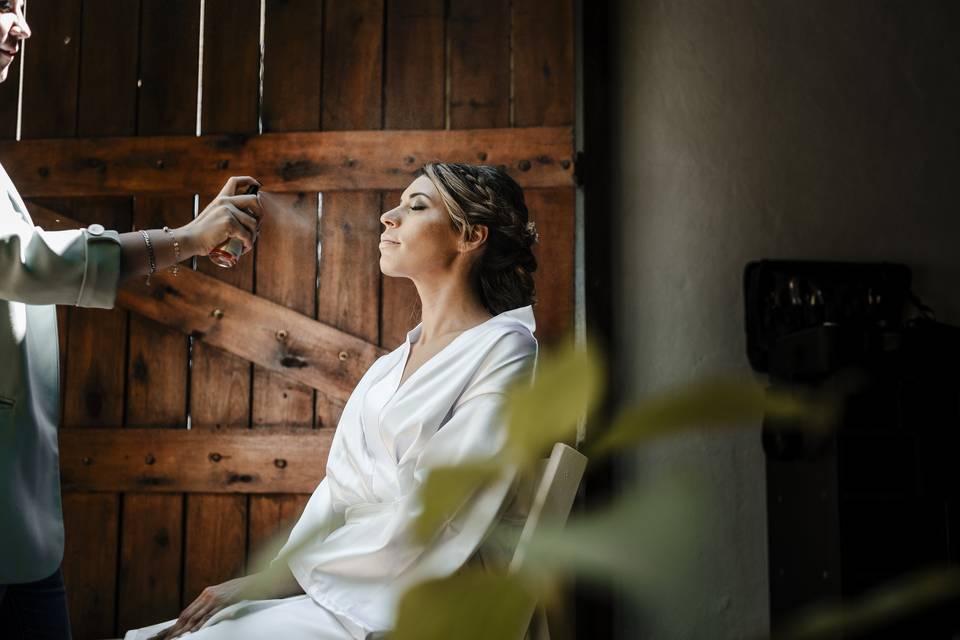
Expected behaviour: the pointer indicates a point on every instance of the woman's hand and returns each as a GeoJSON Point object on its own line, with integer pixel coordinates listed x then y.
{"type": "Point", "coordinates": [227, 216]}
{"type": "Point", "coordinates": [210, 601]}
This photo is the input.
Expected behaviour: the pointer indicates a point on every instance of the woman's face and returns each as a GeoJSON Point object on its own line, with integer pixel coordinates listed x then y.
{"type": "Point", "coordinates": [418, 237]}
{"type": "Point", "coordinates": [13, 31]}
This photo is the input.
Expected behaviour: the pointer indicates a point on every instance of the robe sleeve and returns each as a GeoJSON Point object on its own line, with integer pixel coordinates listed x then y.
{"type": "Point", "coordinates": [58, 267]}
{"type": "Point", "coordinates": [376, 545]}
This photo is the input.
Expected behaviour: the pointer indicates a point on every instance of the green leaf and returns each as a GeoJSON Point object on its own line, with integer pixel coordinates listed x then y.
{"type": "Point", "coordinates": [640, 542]}
{"type": "Point", "coordinates": [567, 386]}
{"type": "Point", "coordinates": [916, 593]}
{"type": "Point", "coordinates": [469, 605]}
{"type": "Point", "coordinates": [712, 402]}
{"type": "Point", "coordinates": [445, 492]}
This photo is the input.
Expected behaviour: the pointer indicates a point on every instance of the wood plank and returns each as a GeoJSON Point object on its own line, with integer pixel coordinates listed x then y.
{"type": "Point", "coordinates": [231, 66]}
{"type": "Point", "coordinates": [108, 68]}
{"type": "Point", "coordinates": [95, 377]}
{"type": "Point", "coordinates": [542, 62]}
{"type": "Point", "coordinates": [157, 367]}
{"type": "Point", "coordinates": [176, 460]}
{"type": "Point", "coordinates": [319, 356]}
{"type": "Point", "coordinates": [151, 555]}
{"type": "Point", "coordinates": [150, 552]}
{"type": "Point", "coordinates": [479, 45]}
{"type": "Point", "coordinates": [94, 382]}
{"type": "Point", "coordinates": [287, 248]}
{"type": "Point", "coordinates": [169, 50]}
{"type": "Point", "coordinates": [215, 542]}
{"type": "Point", "coordinates": [272, 517]}
{"type": "Point", "coordinates": [51, 70]}
{"type": "Point", "coordinates": [90, 563]}
{"type": "Point", "coordinates": [553, 212]}
{"type": "Point", "coordinates": [293, 64]}
{"type": "Point", "coordinates": [400, 309]}
{"type": "Point", "coordinates": [284, 162]}
{"type": "Point", "coordinates": [309, 353]}
{"type": "Point", "coordinates": [348, 292]}
{"type": "Point", "coordinates": [415, 79]}
{"type": "Point", "coordinates": [352, 65]}
{"type": "Point", "coordinates": [286, 269]}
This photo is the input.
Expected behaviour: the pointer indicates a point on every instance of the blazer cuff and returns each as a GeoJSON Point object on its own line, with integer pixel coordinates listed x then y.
{"type": "Point", "coordinates": [101, 272]}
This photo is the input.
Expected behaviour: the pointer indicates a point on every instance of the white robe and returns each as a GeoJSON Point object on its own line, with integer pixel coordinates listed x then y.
{"type": "Point", "coordinates": [390, 435]}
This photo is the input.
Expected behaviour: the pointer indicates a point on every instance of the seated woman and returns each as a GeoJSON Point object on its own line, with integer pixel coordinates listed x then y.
{"type": "Point", "coordinates": [461, 234]}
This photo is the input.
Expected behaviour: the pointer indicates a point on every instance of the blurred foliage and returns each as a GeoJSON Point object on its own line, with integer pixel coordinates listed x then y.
{"type": "Point", "coordinates": [915, 593]}
{"type": "Point", "coordinates": [471, 605]}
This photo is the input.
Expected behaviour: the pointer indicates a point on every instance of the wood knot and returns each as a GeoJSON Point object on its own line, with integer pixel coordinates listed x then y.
{"type": "Point", "coordinates": [482, 156]}
{"type": "Point", "coordinates": [524, 165]}
{"type": "Point", "coordinates": [159, 164]}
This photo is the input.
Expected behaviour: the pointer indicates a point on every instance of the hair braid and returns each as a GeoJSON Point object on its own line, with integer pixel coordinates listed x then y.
{"type": "Point", "coordinates": [486, 195]}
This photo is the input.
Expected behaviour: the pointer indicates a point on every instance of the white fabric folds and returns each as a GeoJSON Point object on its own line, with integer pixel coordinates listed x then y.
{"type": "Point", "coordinates": [356, 549]}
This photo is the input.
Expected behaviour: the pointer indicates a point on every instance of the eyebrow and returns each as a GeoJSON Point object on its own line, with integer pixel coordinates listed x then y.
{"type": "Point", "coordinates": [412, 195]}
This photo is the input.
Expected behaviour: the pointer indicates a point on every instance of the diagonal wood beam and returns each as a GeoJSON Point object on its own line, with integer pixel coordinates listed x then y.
{"type": "Point", "coordinates": [284, 162]}
{"type": "Point", "coordinates": [246, 325]}
{"type": "Point", "coordinates": [195, 460]}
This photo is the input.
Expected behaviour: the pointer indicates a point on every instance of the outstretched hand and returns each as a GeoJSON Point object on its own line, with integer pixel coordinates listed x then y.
{"type": "Point", "coordinates": [210, 601]}
{"type": "Point", "coordinates": [227, 216]}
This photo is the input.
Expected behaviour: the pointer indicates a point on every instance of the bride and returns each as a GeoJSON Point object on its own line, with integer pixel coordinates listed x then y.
{"type": "Point", "coordinates": [461, 234]}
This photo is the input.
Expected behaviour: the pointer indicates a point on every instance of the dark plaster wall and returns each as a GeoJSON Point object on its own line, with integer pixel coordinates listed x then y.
{"type": "Point", "coordinates": [816, 129]}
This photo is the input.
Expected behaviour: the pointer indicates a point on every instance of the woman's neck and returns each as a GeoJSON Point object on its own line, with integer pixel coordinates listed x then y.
{"type": "Point", "coordinates": [448, 307]}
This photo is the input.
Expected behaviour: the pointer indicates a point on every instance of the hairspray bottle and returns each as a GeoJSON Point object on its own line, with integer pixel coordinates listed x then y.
{"type": "Point", "coordinates": [227, 253]}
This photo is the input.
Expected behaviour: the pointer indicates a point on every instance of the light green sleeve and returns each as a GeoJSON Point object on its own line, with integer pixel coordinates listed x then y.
{"type": "Point", "coordinates": [58, 267]}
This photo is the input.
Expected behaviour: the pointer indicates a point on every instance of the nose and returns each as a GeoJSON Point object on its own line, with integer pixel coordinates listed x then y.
{"type": "Point", "coordinates": [20, 28]}
{"type": "Point", "coordinates": [389, 218]}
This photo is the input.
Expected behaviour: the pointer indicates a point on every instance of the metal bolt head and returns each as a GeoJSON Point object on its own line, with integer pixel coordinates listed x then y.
{"type": "Point", "coordinates": [215, 457]}
{"type": "Point", "coordinates": [87, 461]}
{"type": "Point", "coordinates": [280, 463]}
{"type": "Point", "coordinates": [217, 313]}
{"type": "Point", "coordinates": [282, 335]}
{"type": "Point", "coordinates": [344, 356]}
{"type": "Point", "coordinates": [149, 459]}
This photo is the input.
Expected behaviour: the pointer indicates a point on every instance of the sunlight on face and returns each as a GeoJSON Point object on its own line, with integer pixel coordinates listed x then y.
{"type": "Point", "coordinates": [419, 238]}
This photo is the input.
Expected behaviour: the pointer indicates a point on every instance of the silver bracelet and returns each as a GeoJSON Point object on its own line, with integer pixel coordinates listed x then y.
{"type": "Point", "coordinates": [150, 257]}
{"type": "Point", "coordinates": [175, 269]}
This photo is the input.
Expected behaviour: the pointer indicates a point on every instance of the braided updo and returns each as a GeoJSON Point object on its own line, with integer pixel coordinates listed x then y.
{"type": "Point", "coordinates": [486, 195]}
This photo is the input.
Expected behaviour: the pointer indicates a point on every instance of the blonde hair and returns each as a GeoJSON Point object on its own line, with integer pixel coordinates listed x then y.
{"type": "Point", "coordinates": [485, 195]}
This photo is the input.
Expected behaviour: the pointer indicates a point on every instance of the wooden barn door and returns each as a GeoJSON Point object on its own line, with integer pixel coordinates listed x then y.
{"type": "Point", "coordinates": [197, 415]}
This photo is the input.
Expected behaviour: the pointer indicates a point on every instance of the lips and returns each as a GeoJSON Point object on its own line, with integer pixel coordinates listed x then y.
{"type": "Point", "coordinates": [388, 241]}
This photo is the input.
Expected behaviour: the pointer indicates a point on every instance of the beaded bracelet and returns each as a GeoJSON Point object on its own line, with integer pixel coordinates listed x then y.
{"type": "Point", "coordinates": [150, 257]}
{"type": "Point", "coordinates": [175, 269]}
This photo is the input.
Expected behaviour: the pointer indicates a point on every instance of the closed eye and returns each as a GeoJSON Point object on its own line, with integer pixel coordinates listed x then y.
{"type": "Point", "coordinates": [418, 207]}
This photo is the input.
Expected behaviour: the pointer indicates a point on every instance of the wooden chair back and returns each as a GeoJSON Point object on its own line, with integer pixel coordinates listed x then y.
{"type": "Point", "coordinates": [559, 480]}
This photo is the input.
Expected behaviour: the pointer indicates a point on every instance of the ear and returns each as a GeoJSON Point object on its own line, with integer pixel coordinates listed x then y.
{"type": "Point", "coordinates": [474, 239]}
